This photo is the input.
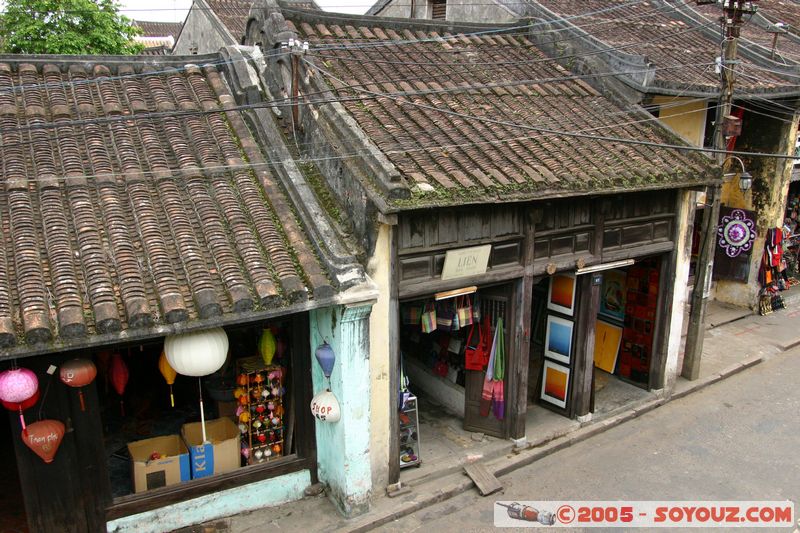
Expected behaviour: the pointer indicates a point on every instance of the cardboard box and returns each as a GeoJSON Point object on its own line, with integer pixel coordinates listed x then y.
{"type": "Point", "coordinates": [147, 474]}
{"type": "Point", "coordinates": [222, 452]}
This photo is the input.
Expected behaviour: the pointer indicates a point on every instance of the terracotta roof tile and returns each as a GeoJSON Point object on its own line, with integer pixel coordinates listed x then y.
{"type": "Point", "coordinates": [233, 14]}
{"type": "Point", "coordinates": [653, 29]}
{"type": "Point", "coordinates": [159, 29]}
{"type": "Point", "coordinates": [489, 83]}
{"type": "Point", "coordinates": [111, 220]}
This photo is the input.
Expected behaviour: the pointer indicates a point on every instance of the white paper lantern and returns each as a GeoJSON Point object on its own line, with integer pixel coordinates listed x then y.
{"type": "Point", "coordinates": [197, 353]}
{"type": "Point", "coordinates": [325, 407]}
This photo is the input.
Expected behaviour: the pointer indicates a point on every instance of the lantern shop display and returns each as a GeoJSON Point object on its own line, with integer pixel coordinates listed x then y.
{"type": "Point", "coordinates": [260, 395]}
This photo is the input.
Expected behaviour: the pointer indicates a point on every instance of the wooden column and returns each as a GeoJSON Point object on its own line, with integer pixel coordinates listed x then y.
{"type": "Point", "coordinates": [583, 369]}
{"type": "Point", "coordinates": [518, 404]}
{"type": "Point", "coordinates": [394, 359]}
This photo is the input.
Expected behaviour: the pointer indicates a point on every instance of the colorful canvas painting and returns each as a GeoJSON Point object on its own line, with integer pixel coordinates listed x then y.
{"type": "Point", "coordinates": [555, 384]}
{"type": "Point", "coordinates": [607, 339]}
{"type": "Point", "coordinates": [558, 340]}
{"type": "Point", "coordinates": [561, 296]}
{"type": "Point", "coordinates": [612, 294]}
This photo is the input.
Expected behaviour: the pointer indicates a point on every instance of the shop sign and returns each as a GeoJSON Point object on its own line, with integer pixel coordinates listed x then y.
{"type": "Point", "coordinates": [466, 262]}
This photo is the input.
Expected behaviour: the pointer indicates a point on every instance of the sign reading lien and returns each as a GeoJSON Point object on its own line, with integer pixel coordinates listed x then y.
{"type": "Point", "coordinates": [465, 262]}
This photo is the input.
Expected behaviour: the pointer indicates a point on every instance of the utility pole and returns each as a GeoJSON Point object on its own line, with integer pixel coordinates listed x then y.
{"type": "Point", "coordinates": [732, 20]}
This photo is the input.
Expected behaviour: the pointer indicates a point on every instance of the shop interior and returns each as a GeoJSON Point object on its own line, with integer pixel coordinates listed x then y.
{"type": "Point", "coordinates": [445, 348]}
{"type": "Point", "coordinates": [624, 335]}
{"type": "Point", "coordinates": [152, 420]}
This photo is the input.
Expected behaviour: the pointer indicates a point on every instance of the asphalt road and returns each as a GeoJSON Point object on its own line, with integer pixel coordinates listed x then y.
{"type": "Point", "coordinates": [736, 440]}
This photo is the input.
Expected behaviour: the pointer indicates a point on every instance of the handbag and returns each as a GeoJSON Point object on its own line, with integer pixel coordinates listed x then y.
{"type": "Point", "coordinates": [412, 314]}
{"type": "Point", "coordinates": [476, 353]}
{"type": "Point", "coordinates": [464, 311]}
{"type": "Point", "coordinates": [428, 320]}
{"type": "Point", "coordinates": [444, 315]}
{"type": "Point", "coordinates": [476, 308]}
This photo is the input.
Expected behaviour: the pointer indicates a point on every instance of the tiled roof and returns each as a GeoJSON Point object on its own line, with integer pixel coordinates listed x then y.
{"type": "Point", "coordinates": [679, 49]}
{"type": "Point", "coordinates": [233, 14]}
{"type": "Point", "coordinates": [786, 11]}
{"type": "Point", "coordinates": [787, 47]}
{"type": "Point", "coordinates": [110, 225]}
{"type": "Point", "coordinates": [454, 138]}
{"type": "Point", "coordinates": [159, 29]}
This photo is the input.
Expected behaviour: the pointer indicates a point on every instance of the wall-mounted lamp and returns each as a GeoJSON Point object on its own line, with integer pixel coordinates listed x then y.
{"type": "Point", "coordinates": [745, 178]}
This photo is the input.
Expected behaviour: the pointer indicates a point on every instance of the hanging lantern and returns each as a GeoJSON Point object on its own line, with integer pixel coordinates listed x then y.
{"type": "Point", "coordinates": [44, 438]}
{"type": "Point", "coordinates": [17, 386]}
{"type": "Point", "coordinates": [325, 407]}
{"type": "Point", "coordinates": [197, 354]}
{"type": "Point", "coordinates": [78, 373]}
{"type": "Point", "coordinates": [24, 406]}
{"type": "Point", "coordinates": [266, 346]}
{"type": "Point", "coordinates": [326, 358]}
{"type": "Point", "coordinates": [118, 372]}
{"type": "Point", "coordinates": [169, 375]}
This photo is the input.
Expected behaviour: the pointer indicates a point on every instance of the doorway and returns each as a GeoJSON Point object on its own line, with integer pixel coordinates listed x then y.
{"type": "Point", "coordinates": [448, 388]}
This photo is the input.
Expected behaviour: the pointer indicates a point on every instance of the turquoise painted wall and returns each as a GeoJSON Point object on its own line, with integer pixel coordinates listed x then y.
{"type": "Point", "coordinates": [343, 446]}
{"type": "Point", "coordinates": [213, 506]}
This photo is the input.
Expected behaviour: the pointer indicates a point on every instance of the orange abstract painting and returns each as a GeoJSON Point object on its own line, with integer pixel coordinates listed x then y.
{"type": "Point", "coordinates": [562, 293]}
{"type": "Point", "coordinates": [555, 384]}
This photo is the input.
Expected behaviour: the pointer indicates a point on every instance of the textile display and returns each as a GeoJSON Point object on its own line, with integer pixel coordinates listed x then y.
{"type": "Point", "coordinates": [493, 393]}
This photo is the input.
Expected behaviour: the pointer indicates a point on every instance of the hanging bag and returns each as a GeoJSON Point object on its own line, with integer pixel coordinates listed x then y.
{"type": "Point", "coordinates": [475, 352]}
{"type": "Point", "coordinates": [444, 315]}
{"type": "Point", "coordinates": [464, 311]}
{"type": "Point", "coordinates": [412, 314]}
{"type": "Point", "coordinates": [428, 320]}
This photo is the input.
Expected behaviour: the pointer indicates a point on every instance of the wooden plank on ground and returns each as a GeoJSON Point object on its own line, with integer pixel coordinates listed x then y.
{"type": "Point", "coordinates": [484, 480]}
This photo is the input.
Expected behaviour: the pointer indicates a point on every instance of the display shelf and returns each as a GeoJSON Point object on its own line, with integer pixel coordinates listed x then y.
{"type": "Point", "coordinates": [261, 411]}
{"type": "Point", "coordinates": [409, 434]}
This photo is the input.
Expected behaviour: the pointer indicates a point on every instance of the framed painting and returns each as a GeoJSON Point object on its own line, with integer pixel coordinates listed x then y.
{"type": "Point", "coordinates": [612, 295]}
{"type": "Point", "coordinates": [607, 340]}
{"type": "Point", "coordinates": [558, 339]}
{"type": "Point", "coordinates": [561, 295]}
{"type": "Point", "coordinates": [555, 384]}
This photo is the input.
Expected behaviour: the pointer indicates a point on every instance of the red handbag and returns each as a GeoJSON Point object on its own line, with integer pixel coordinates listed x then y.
{"type": "Point", "coordinates": [476, 356]}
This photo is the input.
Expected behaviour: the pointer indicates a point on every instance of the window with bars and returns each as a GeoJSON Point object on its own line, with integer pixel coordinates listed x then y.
{"type": "Point", "coordinates": [439, 9]}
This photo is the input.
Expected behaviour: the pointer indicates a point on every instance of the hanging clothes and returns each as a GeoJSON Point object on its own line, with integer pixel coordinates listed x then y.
{"type": "Point", "coordinates": [493, 393]}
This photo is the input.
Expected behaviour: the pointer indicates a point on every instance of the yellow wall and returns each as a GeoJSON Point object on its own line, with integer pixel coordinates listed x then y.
{"type": "Point", "coordinates": [378, 269]}
{"type": "Point", "coordinates": [687, 119]}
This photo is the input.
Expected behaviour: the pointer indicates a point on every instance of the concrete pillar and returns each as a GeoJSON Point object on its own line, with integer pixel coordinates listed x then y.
{"type": "Point", "coordinates": [343, 447]}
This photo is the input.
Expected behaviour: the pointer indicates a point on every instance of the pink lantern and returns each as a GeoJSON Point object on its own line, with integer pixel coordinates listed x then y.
{"type": "Point", "coordinates": [17, 386]}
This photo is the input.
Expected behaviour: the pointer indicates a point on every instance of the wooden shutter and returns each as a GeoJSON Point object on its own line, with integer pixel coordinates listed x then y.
{"type": "Point", "coordinates": [439, 9]}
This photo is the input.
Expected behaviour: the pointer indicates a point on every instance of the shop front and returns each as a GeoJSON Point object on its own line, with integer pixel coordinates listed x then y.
{"type": "Point", "coordinates": [583, 288]}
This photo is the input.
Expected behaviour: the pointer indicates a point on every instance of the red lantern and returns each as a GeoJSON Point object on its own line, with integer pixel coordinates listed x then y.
{"type": "Point", "coordinates": [78, 373]}
{"type": "Point", "coordinates": [44, 438]}
{"type": "Point", "coordinates": [118, 371]}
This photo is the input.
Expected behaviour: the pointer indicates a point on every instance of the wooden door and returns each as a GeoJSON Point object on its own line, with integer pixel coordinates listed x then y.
{"type": "Point", "coordinates": [495, 302]}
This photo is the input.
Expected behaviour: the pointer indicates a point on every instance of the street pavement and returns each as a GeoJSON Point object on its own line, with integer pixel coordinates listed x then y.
{"type": "Point", "coordinates": [738, 439]}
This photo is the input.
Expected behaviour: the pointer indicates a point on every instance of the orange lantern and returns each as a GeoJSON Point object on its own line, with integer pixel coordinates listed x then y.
{"type": "Point", "coordinates": [169, 375]}
{"type": "Point", "coordinates": [44, 438]}
{"type": "Point", "coordinates": [78, 373]}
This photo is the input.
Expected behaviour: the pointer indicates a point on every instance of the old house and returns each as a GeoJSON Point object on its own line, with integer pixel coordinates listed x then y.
{"type": "Point", "coordinates": [490, 186]}
{"type": "Point", "coordinates": [140, 202]}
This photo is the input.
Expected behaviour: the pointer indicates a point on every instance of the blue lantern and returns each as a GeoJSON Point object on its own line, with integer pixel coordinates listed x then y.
{"type": "Point", "coordinates": [326, 358]}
